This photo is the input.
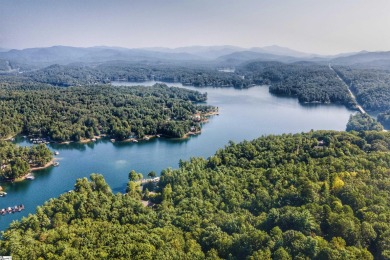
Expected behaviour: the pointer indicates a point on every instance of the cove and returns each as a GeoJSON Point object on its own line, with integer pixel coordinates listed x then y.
{"type": "Point", "coordinates": [243, 115]}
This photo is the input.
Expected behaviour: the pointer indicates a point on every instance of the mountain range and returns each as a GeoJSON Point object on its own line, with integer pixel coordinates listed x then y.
{"type": "Point", "coordinates": [219, 55]}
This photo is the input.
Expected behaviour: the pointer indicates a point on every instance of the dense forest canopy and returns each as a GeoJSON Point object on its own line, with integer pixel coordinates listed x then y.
{"type": "Point", "coordinates": [77, 113]}
{"type": "Point", "coordinates": [384, 119]}
{"type": "Point", "coordinates": [363, 122]}
{"type": "Point", "coordinates": [370, 86]}
{"type": "Point", "coordinates": [310, 82]}
{"type": "Point", "coordinates": [17, 161]}
{"type": "Point", "coordinates": [316, 195]}
{"type": "Point", "coordinates": [301, 75]}
{"type": "Point", "coordinates": [76, 75]}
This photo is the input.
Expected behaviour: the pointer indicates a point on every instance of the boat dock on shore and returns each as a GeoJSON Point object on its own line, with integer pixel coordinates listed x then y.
{"type": "Point", "coordinates": [10, 210]}
{"type": "Point", "coordinates": [156, 179]}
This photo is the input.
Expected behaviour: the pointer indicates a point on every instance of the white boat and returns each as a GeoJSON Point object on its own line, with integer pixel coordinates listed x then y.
{"type": "Point", "coordinates": [56, 164]}
{"type": "Point", "coordinates": [56, 153]}
{"type": "Point", "coordinates": [30, 177]}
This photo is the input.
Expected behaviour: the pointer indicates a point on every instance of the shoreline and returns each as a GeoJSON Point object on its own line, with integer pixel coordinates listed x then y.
{"type": "Point", "coordinates": [47, 165]}
{"type": "Point", "coordinates": [22, 178]}
{"type": "Point", "coordinates": [9, 138]}
{"type": "Point", "coordinates": [212, 113]}
{"type": "Point", "coordinates": [189, 134]}
{"type": "Point", "coordinates": [134, 140]}
{"type": "Point", "coordinates": [89, 140]}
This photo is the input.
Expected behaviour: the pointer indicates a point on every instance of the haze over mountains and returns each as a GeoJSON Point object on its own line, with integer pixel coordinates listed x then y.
{"type": "Point", "coordinates": [219, 55]}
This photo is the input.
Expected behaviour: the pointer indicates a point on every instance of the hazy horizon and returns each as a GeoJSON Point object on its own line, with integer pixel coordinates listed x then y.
{"type": "Point", "coordinates": [325, 28]}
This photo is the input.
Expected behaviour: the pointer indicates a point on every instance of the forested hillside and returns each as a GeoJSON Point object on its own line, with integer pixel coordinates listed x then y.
{"type": "Point", "coordinates": [384, 119]}
{"type": "Point", "coordinates": [371, 87]}
{"type": "Point", "coordinates": [363, 122]}
{"type": "Point", "coordinates": [77, 113]}
{"type": "Point", "coordinates": [316, 195]}
{"type": "Point", "coordinates": [310, 82]}
{"type": "Point", "coordinates": [302, 75]}
{"type": "Point", "coordinates": [198, 76]}
{"type": "Point", "coordinates": [75, 75]}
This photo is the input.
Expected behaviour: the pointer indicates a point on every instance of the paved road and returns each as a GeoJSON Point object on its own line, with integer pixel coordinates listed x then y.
{"type": "Point", "coordinates": [359, 107]}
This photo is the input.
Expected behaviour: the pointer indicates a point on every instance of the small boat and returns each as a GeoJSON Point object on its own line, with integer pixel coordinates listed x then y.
{"type": "Point", "coordinates": [112, 140]}
{"type": "Point", "coordinates": [93, 139]}
{"type": "Point", "coordinates": [30, 178]}
{"type": "Point", "coordinates": [21, 207]}
{"type": "Point", "coordinates": [9, 210]}
{"type": "Point", "coordinates": [158, 136]}
{"type": "Point", "coordinates": [56, 153]}
{"type": "Point", "coordinates": [3, 212]}
{"type": "Point", "coordinates": [56, 164]}
{"type": "Point", "coordinates": [3, 193]}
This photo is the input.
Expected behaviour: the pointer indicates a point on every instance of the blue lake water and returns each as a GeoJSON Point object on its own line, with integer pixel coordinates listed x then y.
{"type": "Point", "coordinates": [244, 115]}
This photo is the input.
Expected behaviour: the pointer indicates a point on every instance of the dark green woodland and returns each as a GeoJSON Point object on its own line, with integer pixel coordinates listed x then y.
{"type": "Point", "coordinates": [316, 195]}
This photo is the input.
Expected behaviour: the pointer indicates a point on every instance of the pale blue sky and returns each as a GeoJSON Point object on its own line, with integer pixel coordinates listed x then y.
{"type": "Point", "coordinates": [315, 26]}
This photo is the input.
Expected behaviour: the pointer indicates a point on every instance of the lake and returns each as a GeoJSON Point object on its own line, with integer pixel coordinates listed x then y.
{"type": "Point", "coordinates": [243, 115]}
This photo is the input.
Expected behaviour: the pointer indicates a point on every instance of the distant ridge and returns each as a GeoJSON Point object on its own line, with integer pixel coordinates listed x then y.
{"type": "Point", "coordinates": [243, 56]}
{"type": "Point", "coordinates": [209, 52]}
{"type": "Point", "coordinates": [282, 51]}
{"type": "Point", "coordinates": [363, 57]}
{"type": "Point", "coordinates": [223, 55]}
{"type": "Point", "coordinates": [66, 55]}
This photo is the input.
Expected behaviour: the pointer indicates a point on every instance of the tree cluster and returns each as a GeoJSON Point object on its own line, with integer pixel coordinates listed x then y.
{"type": "Point", "coordinates": [77, 75]}
{"type": "Point", "coordinates": [370, 86]}
{"type": "Point", "coordinates": [16, 161]}
{"type": "Point", "coordinates": [76, 113]}
{"type": "Point", "coordinates": [310, 82]}
{"type": "Point", "coordinates": [384, 119]}
{"type": "Point", "coordinates": [363, 122]}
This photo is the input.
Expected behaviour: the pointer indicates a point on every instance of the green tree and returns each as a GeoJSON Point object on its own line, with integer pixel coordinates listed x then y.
{"type": "Point", "coordinates": [152, 174]}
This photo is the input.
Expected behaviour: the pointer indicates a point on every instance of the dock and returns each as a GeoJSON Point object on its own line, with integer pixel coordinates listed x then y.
{"type": "Point", "coordinates": [156, 179]}
{"type": "Point", "coordinates": [10, 210]}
